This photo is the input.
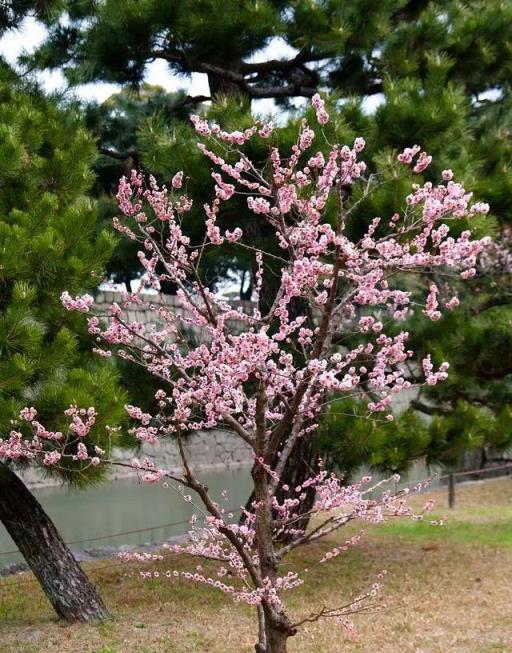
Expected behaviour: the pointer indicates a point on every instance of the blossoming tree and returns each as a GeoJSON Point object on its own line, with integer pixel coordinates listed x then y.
{"type": "Point", "coordinates": [269, 380]}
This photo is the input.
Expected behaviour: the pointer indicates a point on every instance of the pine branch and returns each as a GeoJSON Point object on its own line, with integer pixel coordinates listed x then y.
{"type": "Point", "coordinates": [239, 78]}
{"type": "Point", "coordinates": [120, 156]}
{"type": "Point", "coordinates": [491, 303]}
{"type": "Point", "coordinates": [429, 410]}
{"type": "Point", "coordinates": [282, 65]}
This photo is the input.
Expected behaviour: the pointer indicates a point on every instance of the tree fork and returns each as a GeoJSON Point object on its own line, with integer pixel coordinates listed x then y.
{"type": "Point", "coordinates": [301, 465]}
{"type": "Point", "coordinates": [71, 593]}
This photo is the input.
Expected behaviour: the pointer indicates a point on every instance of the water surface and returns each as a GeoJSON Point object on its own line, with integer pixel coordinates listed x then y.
{"type": "Point", "coordinates": [109, 510]}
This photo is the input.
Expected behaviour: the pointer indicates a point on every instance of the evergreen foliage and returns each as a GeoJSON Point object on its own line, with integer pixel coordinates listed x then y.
{"type": "Point", "coordinates": [353, 46]}
{"type": "Point", "coordinates": [49, 241]}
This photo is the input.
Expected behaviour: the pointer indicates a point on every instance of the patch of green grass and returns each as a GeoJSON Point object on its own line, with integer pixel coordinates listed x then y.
{"type": "Point", "coordinates": [198, 641]}
{"type": "Point", "coordinates": [21, 647]}
{"type": "Point", "coordinates": [105, 628]}
{"type": "Point", "coordinates": [169, 645]}
{"type": "Point", "coordinates": [12, 603]}
{"type": "Point", "coordinates": [492, 533]}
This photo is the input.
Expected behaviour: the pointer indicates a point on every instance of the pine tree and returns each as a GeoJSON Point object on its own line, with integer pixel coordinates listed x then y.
{"type": "Point", "coordinates": [49, 241]}
{"type": "Point", "coordinates": [352, 46]}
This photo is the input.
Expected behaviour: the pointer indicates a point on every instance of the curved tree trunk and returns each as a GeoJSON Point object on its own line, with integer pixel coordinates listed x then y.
{"type": "Point", "coordinates": [68, 589]}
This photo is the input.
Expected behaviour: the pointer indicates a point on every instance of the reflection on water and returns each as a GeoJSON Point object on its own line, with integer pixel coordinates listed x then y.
{"type": "Point", "coordinates": [127, 505]}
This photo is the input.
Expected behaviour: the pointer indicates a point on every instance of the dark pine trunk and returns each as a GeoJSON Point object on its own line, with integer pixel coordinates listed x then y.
{"type": "Point", "coordinates": [68, 589]}
{"type": "Point", "coordinates": [221, 85]}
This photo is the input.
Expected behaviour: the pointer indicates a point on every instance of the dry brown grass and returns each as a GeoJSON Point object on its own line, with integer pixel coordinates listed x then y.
{"type": "Point", "coordinates": [445, 593]}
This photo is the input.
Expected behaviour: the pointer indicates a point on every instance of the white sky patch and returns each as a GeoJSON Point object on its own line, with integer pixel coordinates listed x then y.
{"type": "Point", "coordinates": [371, 103]}
{"type": "Point", "coordinates": [492, 95]}
{"type": "Point", "coordinates": [27, 38]}
{"type": "Point", "coordinates": [157, 73]}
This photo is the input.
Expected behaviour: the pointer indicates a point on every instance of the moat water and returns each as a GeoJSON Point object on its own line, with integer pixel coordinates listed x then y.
{"type": "Point", "coordinates": [108, 514]}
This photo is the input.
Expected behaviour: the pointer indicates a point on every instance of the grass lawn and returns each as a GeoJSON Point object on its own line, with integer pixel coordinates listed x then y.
{"type": "Point", "coordinates": [448, 590]}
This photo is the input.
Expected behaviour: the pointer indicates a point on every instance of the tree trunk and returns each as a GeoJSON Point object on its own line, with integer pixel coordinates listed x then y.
{"type": "Point", "coordinates": [221, 85]}
{"type": "Point", "coordinates": [303, 460]}
{"type": "Point", "coordinates": [128, 283]}
{"type": "Point", "coordinates": [301, 465]}
{"type": "Point", "coordinates": [68, 589]}
{"type": "Point", "coordinates": [276, 640]}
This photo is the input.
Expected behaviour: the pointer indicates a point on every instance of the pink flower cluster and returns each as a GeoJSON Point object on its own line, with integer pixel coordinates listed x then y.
{"type": "Point", "coordinates": [82, 420]}
{"type": "Point", "coordinates": [81, 304]}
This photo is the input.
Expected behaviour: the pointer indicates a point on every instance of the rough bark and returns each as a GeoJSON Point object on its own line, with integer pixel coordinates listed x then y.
{"type": "Point", "coordinates": [68, 589]}
{"type": "Point", "coordinates": [278, 630]}
{"type": "Point", "coordinates": [276, 640]}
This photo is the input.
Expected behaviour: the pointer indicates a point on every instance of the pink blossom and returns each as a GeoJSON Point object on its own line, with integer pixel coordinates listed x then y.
{"type": "Point", "coordinates": [424, 160]}
{"type": "Point", "coordinates": [82, 451]}
{"type": "Point", "coordinates": [177, 180]}
{"type": "Point", "coordinates": [453, 303]}
{"type": "Point", "coordinates": [359, 144]}
{"type": "Point", "coordinates": [28, 414]}
{"type": "Point", "coordinates": [51, 458]}
{"type": "Point", "coordinates": [266, 130]}
{"type": "Point", "coordinates": [258, 205]}
{"type": "Point", "coordinates": [321, 114]}
{"type": "Point", "coordinates": [306, 138]}
{"type": "Point", "coordinates": [234, 236]}
{"type": "Point", "coordinates": [81, 304]}
{"type": "Point", "coordinates": [407, 155]}
{"type": "Point", "coordinates": [432, 304]}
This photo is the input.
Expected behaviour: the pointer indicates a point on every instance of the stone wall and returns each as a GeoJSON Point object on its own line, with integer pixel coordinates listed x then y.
{"type": "Point", "coordinates": [207, 450]}
{"type": "Point", "coordinates": [148, 315]}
